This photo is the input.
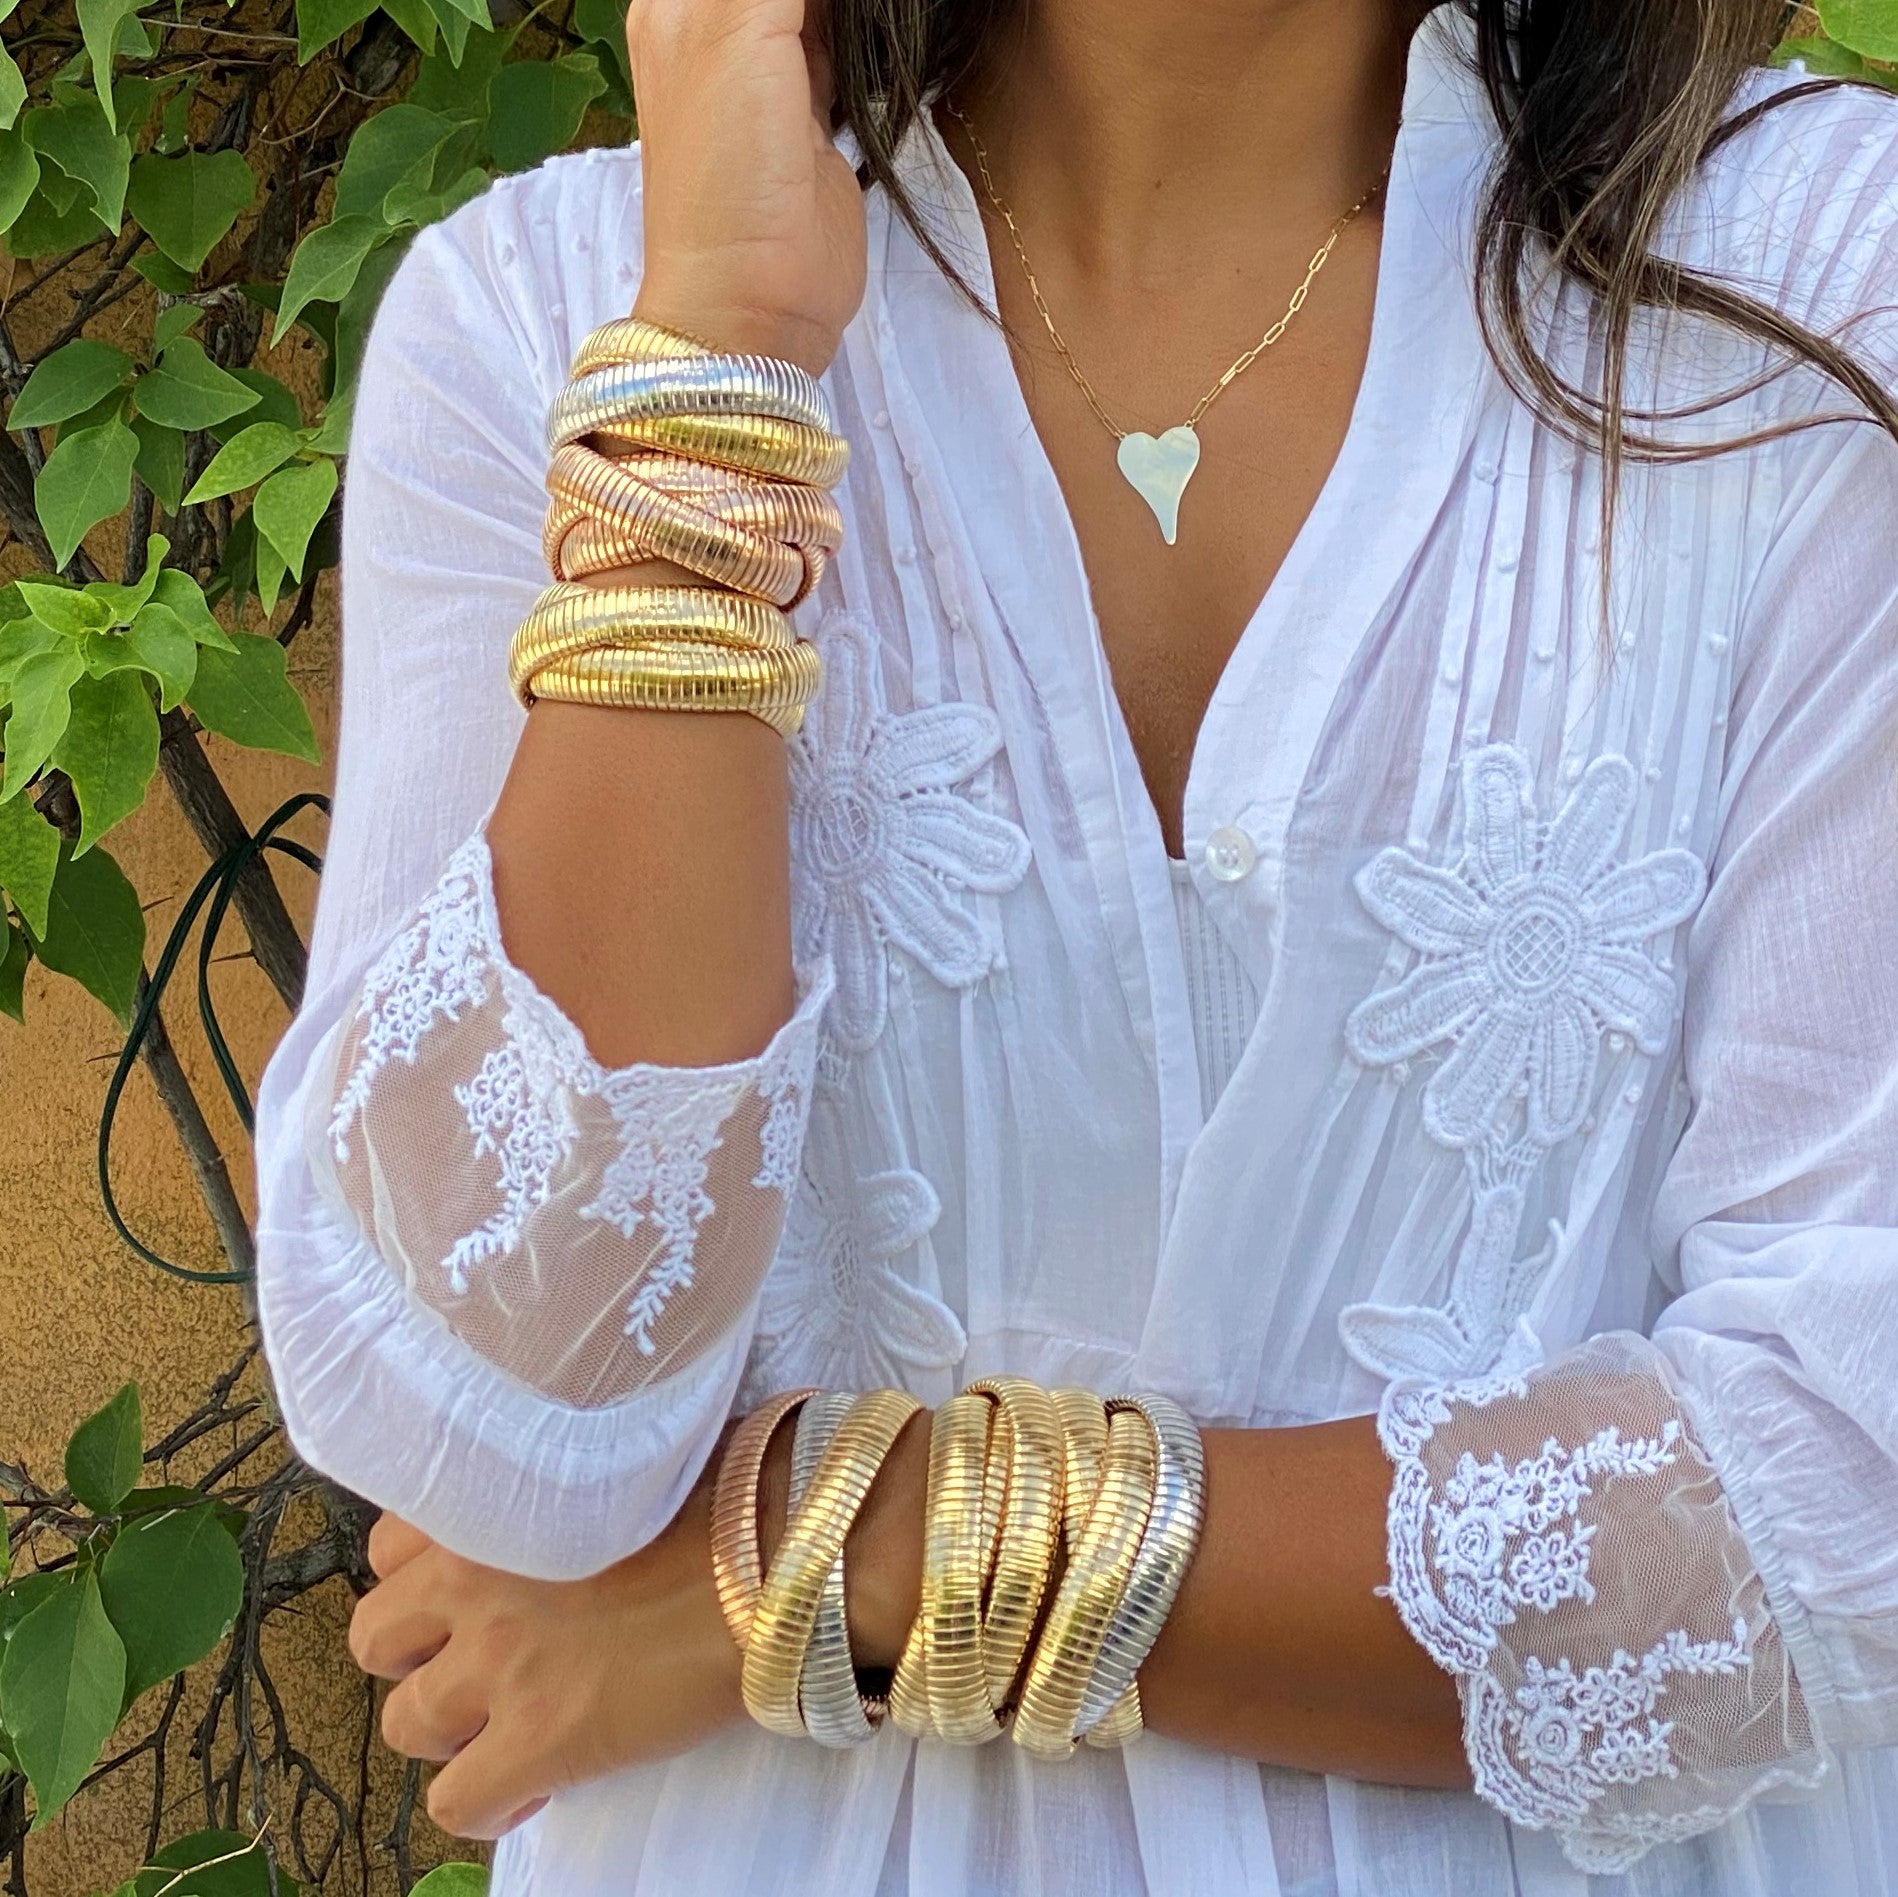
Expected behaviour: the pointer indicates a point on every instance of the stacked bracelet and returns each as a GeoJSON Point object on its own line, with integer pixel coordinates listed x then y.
{"type": "Point", "coordinates": [1020, 1479]}
{"type": "Point", "coordinates": [719, 464]}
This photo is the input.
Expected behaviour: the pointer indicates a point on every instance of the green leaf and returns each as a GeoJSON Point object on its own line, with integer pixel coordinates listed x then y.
{"type": "Point", "coordinates": [244, 695]}
{"type": "Point", "coordinates": [42, 687]}
{"type": "Point", "coordinates": [271, 572]}
{"type": "Point", "coordinates": [120, 604]}
{"type": "Point", "coordinates": [1865, 26]}
{"type": "Point", "coordinates": [157, 643]}
{"type": "Point", "coordinates": [95, 929]}
{"type": "Point", "coordinates": [160, 463]}
{"type": "Point", "coordinates": [332, 430]}
{"type": "Point", "coordinates": [77, 137]}
{"type": "Point", "coordinates": [49, 224]}
{"type": "Point", "coordinates": [70, 381]}
{"type": "Point", "coordinates": [171, 323]}
{"type": "Point", "coordinates": [1819, 56]}
{"type": "Point", "coordinates": [174, 123]}
{"type": "Point", "coordinates": [186, 204]}
{"type": "Point", "coordinates": [25, 1592]}
{"type": "Point", "coordinates": [99, 23]}
{"type": "Point", "coordinates": [109, 750]}
{"type": "Point", "coordinates": [29, 854]}
{"type": "Point", "coordinates": [73, 610]}
{"type": "Point", "coordinates": [12, 88]}
{"type": "Point", "coordinates": [321, 21]}
{"type": "Point", "coordinates": [107, 1451]}
{"type": "Point", "coordinates": [604, 21]}
{"type": "Point", "coordinates": [173, 1583]}
{"type": "Point", "coordinates": [234, 1866]}
{"type": "Point", "coordinates": [459, 91]}
{"type": "Point", "coordinates": [413, 203]}
{"type": "Point", "coordinates": [161, 273]}
{"type": "Point", "coordinates": [61, 1680]}
{"type": "Point", "coordinates": [386, 149]}
{"type": "Point", "coordinates": [86, 479]}
{"type": "Point", "coordinates": [289, 505]}
{"type": "Point", "coordinates": [22, 639]}
{"type": "Point", "coordinates": [14, 956]}
{"type": "Point", "coordinates": [185, 597]}
{"type": "Point", "coordinates": [188, 390]}
{"type": "Point", "coordinates": [455, 22]}
{"type": "Point", "coordinates": [275, 403]}
{"type": "Point", "coordinates": [325, 265]}
{"type": "Point", "coordinates": [245, 459]}
{"type": "Point", "coordinates": [358, 309]}
{"type": "Point", "coordinates": [19, 169]}
{"type": "Point", "coordinates": [416, 19]}
{"type": "Point", "coordinates": [453, 1880]}
{"type": "Point", "coordinates": [536, 106]}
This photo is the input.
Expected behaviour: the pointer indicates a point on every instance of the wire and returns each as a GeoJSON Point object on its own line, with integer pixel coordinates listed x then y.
{"type": "Point", "coordinates": [216, 886]}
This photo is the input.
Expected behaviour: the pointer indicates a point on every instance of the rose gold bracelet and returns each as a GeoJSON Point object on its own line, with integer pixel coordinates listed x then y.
{"type": "Point", "coordinates": [737, 1561]}
{"type": "Point", "coordinates": [813, 1539]}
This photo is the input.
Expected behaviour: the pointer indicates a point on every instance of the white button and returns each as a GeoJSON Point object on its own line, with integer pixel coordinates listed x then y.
{"type": "Point", "coordinates": [1718, 643]}
{"type": "Point", "coordinates": [881, 419]}
{"type": "Point", "coordinates": [1230, 855]}
{"type": "Point", "coordinates": [1505, 563]}
{"type": "Point", "coordinates": [1485, 471]}
{"type": "Point", "coordinates": [906, 556]}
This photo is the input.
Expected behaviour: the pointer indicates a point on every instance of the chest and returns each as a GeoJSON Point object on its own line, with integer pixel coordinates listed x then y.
{"type": "Point", "coordinates": [1169, 615]}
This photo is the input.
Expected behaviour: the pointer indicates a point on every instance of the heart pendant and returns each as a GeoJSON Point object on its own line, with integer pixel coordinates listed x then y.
{"type": "Point", "coordinates": [1157, 469]}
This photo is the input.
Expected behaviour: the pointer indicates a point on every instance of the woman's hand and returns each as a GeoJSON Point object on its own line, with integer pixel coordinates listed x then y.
{"type": "Point", "coordinates": [754, 222]}
{"type": "Point", "coordinates": [526, 1687]}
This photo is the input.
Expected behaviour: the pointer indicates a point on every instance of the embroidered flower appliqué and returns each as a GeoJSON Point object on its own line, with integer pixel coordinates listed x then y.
{"type": "Point", "coordinates": [836, 1311]}
{"type": "Point", "coordinates": [1531, 949]}
{"type": "Point", "coordinates": [886, 848]}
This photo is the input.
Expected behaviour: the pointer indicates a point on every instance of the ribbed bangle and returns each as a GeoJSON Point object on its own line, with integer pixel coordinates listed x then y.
{"type": "Point", "coordinates": [570, 617]}
{"type": "Point", "coordinates": [813, 1539]}
{"type": "Point", "coordinates": [752, 444]}
{"type": "Point", "coordinates": [737, 1564]}
{"type": "Point", "coordinates": [633, 339]}
{"type": "Point", "coordinates": [773, 687]}
{"type": "Point", "coordinates": [1090, 1592]}
{"type": "Point", "coordinates": [698, 385]}
{"type": "Point", "coordinates": [766, 539]}
{"type": "Point", "coordinates": [1167, 1544]}
{"type": "Point", "coordinates": [1026, 1446]}
{"type": "Point", "coordinates": [835, 1713]}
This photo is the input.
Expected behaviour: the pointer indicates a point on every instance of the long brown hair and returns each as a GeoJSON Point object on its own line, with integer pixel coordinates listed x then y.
{"type": "Point", "coordinates": [1605, 109]}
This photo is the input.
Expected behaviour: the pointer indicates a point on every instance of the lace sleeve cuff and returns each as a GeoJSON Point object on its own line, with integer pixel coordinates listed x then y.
{"type": "Point", "coordinates": [1561, 1543]}
{"type": "Point", "coordinates": [514, 1304]}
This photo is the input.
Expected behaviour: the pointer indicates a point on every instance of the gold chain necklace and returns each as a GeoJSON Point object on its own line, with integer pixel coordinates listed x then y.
{"type": "Point", "coordinates": [1156, 467]}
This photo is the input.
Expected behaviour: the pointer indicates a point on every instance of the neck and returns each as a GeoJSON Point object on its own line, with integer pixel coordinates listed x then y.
{"type": "Point", "coordinates": [1131, 134]}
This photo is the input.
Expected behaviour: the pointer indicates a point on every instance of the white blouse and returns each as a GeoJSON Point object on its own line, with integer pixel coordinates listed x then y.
{"type": "Point", "coordinates": [1562, 1137]}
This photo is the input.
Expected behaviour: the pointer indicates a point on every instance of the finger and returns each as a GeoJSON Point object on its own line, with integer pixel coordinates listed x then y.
{"type": "Point", "coordinates": [396, 1628]}
{"type": "Point", "coordinates": [488, 1787]}
{"type": "Point", "coordinates": [393, 1543]}
{"type": "Point", "coordinates": [437, 1710]}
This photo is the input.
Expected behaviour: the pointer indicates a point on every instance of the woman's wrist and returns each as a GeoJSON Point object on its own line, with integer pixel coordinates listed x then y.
{"type": "Point", "coordinates": [809, 344]}
{"type": "Point", "coordinates": [883, 1557]}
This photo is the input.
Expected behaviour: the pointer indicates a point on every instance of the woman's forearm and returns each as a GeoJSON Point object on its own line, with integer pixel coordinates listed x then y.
{"type": "Point", "coordinates": [1279, 1647]}
{"type": "Point", "coordinates": [641, 868]}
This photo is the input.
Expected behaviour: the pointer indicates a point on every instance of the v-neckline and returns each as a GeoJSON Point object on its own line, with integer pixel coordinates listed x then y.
{"type": "Point", "coordinates": [972, 439]}
{"type": "Point", "coordinates": [978, 261]}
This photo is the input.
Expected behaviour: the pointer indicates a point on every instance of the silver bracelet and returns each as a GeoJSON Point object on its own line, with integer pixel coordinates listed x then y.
{"type": "Point", "coordinates": [686, 385]}
{"type": "Point", "coordinates": [1160, 1563]}
{"type": "Point", "coordinates": [835, 1713]}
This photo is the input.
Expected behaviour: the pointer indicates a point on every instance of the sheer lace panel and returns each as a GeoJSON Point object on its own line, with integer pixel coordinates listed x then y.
{"type": "Point", "coordinates": [1560, 1543]}
{"type": "Point", "coordinates": [586, 1229]}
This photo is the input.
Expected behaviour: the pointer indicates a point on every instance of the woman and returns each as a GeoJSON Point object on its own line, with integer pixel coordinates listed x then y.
{"type": "Point", "coordinates": [1271, 906]}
